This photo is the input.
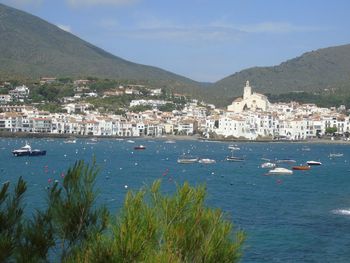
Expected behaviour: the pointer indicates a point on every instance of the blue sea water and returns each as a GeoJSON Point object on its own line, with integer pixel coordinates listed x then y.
{"type": "Point", "coordinates": [304, 217]}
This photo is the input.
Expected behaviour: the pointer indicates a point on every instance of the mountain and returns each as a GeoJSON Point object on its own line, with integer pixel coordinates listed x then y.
{"type": "Point", "coordinates": [31, 47]}
{"type": "Point", "coordinates": [311, 72]}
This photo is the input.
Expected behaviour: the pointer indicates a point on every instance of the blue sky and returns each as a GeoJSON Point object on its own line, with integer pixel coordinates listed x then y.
{"type": "Point", "coordinates": [205, 40]}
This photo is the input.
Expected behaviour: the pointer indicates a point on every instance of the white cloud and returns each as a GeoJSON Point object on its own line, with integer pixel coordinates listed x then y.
{"type": "Point", "coordinates": [65, 28]}
{"type": "Point", "coordinates": [267, 27]}
{"type": "Point", "coordinates": [89, 3]}
{"type": "Point", "coordinates": [187, 33]}
{"type": "Point", "coordinates": [277, 27]}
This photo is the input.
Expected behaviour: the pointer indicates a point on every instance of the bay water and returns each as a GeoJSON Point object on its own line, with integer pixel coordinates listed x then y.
{"type": "Point", "coordinates": [304, 217]}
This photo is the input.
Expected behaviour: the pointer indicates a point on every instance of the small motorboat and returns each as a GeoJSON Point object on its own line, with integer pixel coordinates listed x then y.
{"type": "Point", "coordinates": [286, 161]}
{"type": "Point", "coordinates": [332, 155]}
{"type": "Point", "coordinates": [187, 160]}
{"type": "Point", "coordinates": [301, 167]}
{"type": "Point", "coordinates": [206, 161]}
{"type": "Point", "coordinates": [313, 163]}
{"type": "Point", "coordinates": [140, 147]}
{"type": "Point", "coordinates": [268, 165]}
{"type": "Point", "coordinates": [170, 141]}
{"type": "Point", "coordinates": [26, 150]}
{"type": "Point", "coordinates": [305, 149]}
{"type": "Point", "coordinates": [280, 170]}
{"type": "Point", "coordinates": [234, 159]}
{"type": "Point", "coordinates": [233, 147]}
{"type": "Point", "coordinates": [70, 141]}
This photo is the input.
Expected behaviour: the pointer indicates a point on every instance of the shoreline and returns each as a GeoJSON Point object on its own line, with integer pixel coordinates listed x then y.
{"type": "Point", "coordinates": [164, 137]}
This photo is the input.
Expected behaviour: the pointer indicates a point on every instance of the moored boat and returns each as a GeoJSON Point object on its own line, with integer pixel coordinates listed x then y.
{"type": "Point", "coordinates": [301, 167]}
{"type": "Point", "coordinates": [332, 155]}
{"type": "Point", "coordinates": [313, 163]}
{"type": "Point", "coordinates": [280, 170]}
{"type": "Point", "coordinates": [286, 161]}
{"type": "Point", "coordinates": [233, 147]}
{"type": "Point", "coordinates": [207, 161]}
{"type": "Point", "coordinates": [268, 165]}
{"type": "Point", "coordinates": [26, 150]}
{"type": "Point", "coordinates": [140, 147]}
{"type": "Point", "coordinates": [186, 160]}
{"type": "Point", "coordinates": [234, 159]}
{"type": "Point", "coordinates": [70, 141]}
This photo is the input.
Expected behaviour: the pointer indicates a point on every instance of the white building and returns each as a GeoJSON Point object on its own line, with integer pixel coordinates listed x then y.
{"type": "Point", "coordinates": [19, 93]}
{"type": "Point", "coordinates": [4, 98]}
{"type": "Point", "coordinates": [250, 101]}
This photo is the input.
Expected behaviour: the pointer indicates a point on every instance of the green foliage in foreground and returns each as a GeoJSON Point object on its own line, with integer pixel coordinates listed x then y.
{"type": "Point", "coordinates": [151, 227]}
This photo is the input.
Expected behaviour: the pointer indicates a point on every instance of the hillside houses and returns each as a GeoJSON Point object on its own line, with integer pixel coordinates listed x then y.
{"type": "Point", "coordinates": [255, 120]}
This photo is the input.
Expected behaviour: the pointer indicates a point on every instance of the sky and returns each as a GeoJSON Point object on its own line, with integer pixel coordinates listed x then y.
{"type": "Point", "coordinates": [205, 40]}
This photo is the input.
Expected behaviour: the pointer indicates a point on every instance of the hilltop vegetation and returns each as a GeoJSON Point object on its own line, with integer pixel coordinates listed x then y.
{"type": "Point", "coordinates": [315, 71]}
{"type": "Point", "coordinates": [31, 48]}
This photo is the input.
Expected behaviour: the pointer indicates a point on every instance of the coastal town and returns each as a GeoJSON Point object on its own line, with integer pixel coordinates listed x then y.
{"type": "Point", "coordinates": [250, 117]}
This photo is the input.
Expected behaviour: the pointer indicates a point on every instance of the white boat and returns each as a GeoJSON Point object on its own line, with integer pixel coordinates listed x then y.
{"type": "Point", "coordinates": [170, 141]}
{"type": "Point", "coordinates": [140, 147]}
{"type": "Point", "coordinates": [186, 160]}
{"type": "Point", "coordinates": [26, 150]}
{"type": "Point", "coordinates": [313, 163]}
{"type": "Point", "coordinates": [286, 161]}
{"type": "Point", "coordinates": [130, 141]}
{"type": "Point", "coordinates": [234, 159]}
{"type": "Point", "coordinates": [280, 170]}
{"type": "Point", "coordinates": [206, 161]}
{"type": "Point", "coordinates": [268, 165]}
{"type": "Point", "coordinates": [70, 141]}
{"type": "Point", "coordinates": [336, 155]}
{"type": "Point", "coordinates": [233, 147]}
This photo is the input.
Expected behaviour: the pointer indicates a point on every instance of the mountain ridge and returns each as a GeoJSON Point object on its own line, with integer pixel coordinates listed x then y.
{"type": "Point", "coordinates": [30, 47]}
{"type": "Point", "coordinates": [313, 71]}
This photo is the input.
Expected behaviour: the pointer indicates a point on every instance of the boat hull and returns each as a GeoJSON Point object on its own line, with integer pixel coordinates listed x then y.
{"type": "Point", "coordinates": [301, 168]}
{"type": "Point", "coordinates": [187, 161]}
{"type": "Point", "coordinates": [234, 159]}
{"type": "Point", "coordinates": [32, 153]}
{"type": "Point", "coordinates": [313, 163]}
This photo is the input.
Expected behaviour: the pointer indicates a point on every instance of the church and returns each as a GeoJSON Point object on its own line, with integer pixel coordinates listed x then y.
{"type": "Point", "coordinates": [250, 101]}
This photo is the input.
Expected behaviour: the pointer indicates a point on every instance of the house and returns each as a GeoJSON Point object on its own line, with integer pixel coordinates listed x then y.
{"type": "Point", "coordinates": [47, 80]}
{"type": "Point", "coordinates": [5, 98]}
{"type": "Point", "coordinates": [19, 93]}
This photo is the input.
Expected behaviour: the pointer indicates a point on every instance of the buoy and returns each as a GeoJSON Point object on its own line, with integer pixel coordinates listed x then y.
{"type": "Point", "coordinates": [136, 163]}
{"type": "Point", "coordinates": [126, 186]}
{"type": "Point", "coordinates": [49, 180]}
{"type": "Point", "coordinates": [62, 175]}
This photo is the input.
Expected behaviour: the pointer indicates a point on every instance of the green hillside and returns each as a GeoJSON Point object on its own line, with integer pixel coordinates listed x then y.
{"type": "Point", "coordinates": [315, 71]}
{"type": "Point", "coordinates": [31, 47]}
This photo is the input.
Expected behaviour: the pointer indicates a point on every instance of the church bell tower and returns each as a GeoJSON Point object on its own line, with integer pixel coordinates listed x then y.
{"type": "Point", "coordinates": [247, 91]}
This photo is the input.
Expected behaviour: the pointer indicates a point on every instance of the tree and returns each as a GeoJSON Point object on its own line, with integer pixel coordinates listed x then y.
{"type": "Point", "coordinates": [151, 227]}
{"type": "Point", "coordinates": [157, 228]}
{"type": "Point", "coordinates": [331, 130]}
